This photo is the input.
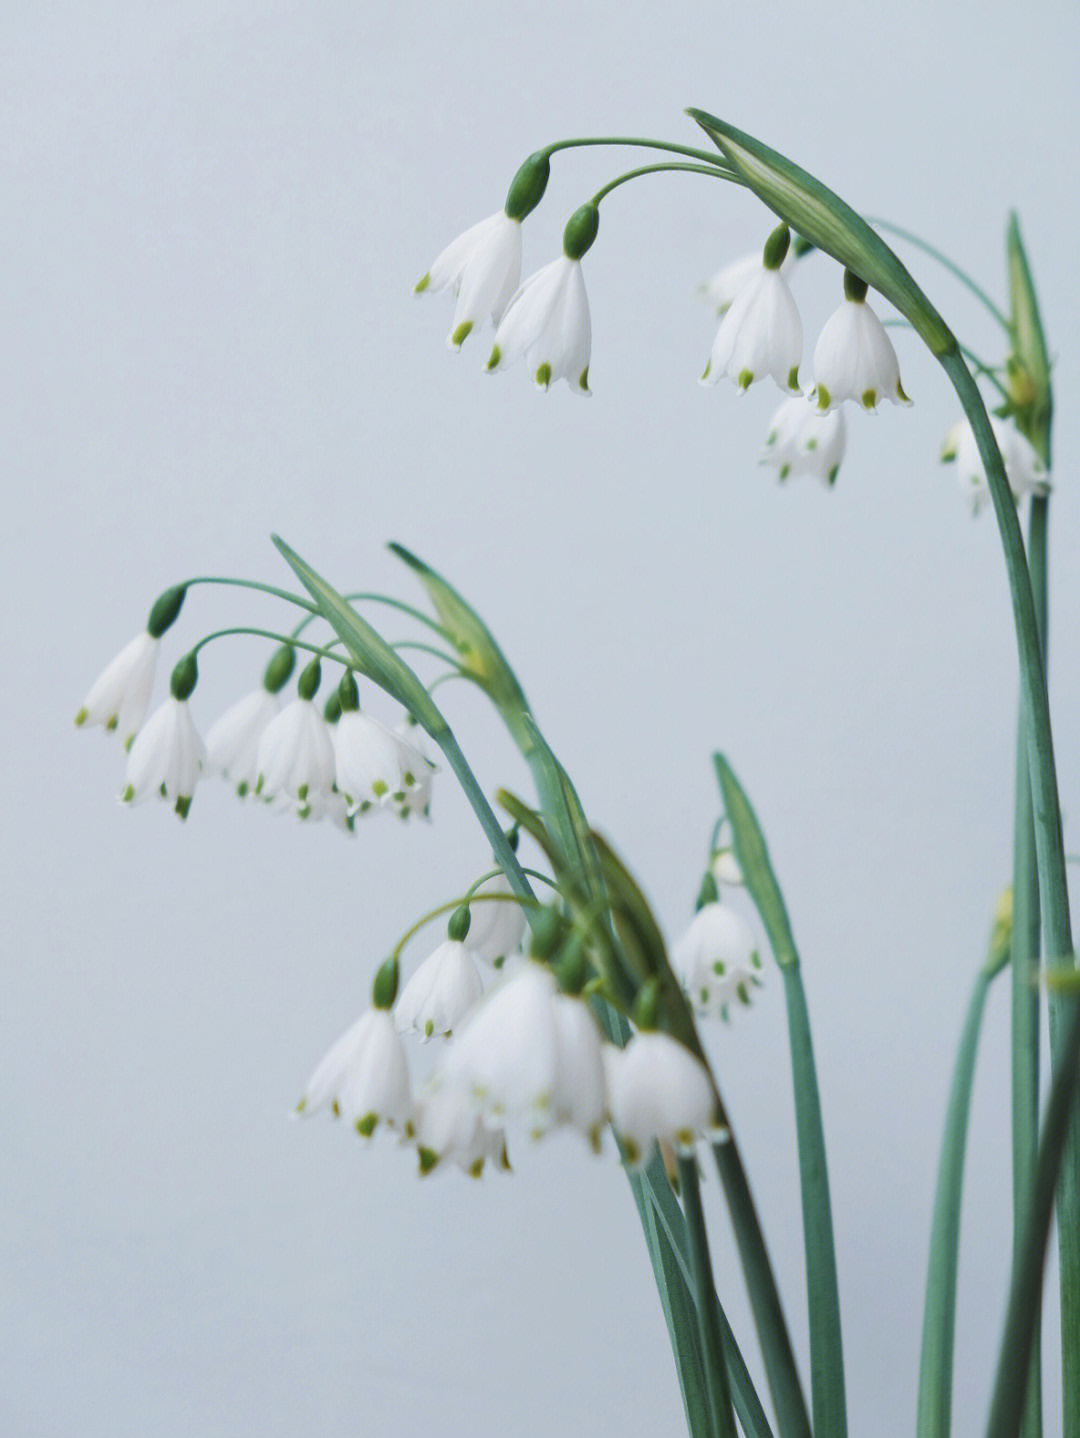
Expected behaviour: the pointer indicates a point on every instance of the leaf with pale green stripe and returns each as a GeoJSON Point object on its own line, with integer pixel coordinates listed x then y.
{"type": "Point", "coordinates": [823, 218]}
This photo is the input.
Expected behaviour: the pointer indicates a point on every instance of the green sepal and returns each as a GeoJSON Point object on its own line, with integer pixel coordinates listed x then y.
{"type": "Point", "coordinates": [385, 985]}
{"type": "Point", "coordinates": [752, 857]}
{"type": "Point", "coordinates": [279, 671]}
{"type": "Point", "coordinates": [368, 652]}
{"type": "Point", "coordinates": [307, 686]}
{"type": "Point", "coordinates": [348, 694]}
{"type": "Point", "coordinates": [824, 219]}
{"type": "Point", "coordinates": [854, 288]}
{"type": "Point", "coordinates": [1029, 364]}
{"type": "Point", "coordinates": [184, 677]}
{"type": "Point", "coordinates": [480, 656]}
{"type": "Point", "coordinates": [528, 186]}
{"type": "Point", "coordinates": [165, 609]}
{"type": "Point", "coordinates": [458, 927]}
{"type": "Point", "coordinates": [580, 231]}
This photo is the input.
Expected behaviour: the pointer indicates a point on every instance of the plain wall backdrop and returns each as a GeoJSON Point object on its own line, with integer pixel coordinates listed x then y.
{"type": "Point", "coordinates": [212, 216]}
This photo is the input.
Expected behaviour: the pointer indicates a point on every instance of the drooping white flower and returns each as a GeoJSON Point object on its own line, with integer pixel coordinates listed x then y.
{"type": "Point", "coordinates": [484, 267]}
{"type": "Point", "coordinates": [232, 745]}
{"type": "Point", "coordinates": [417, 765]}
{"type": "Point", "coordinates": [373, 764]}
{"type": "Point", "coordinates": [364, 1078]}
{"type": "Point", "coordinates": [580, 1092]}
{"type": "Point", "coordinates": [802, 440]}
{"type": "Point", "coordinates": [1024, 469]}
{"type": "Point", "coordinates": [322, 804]}
{"type": "Point", "coordinates": [548, 321]}
{"type": "Point", "coordinates": [497, 927]}
{"type": "Point", "coordinates": [296, 754]}
{"type": "Point", "coordinates": [761, 334]}
{"type": "Point", "coordinates": [728, 282]}
{"type": "Point", "coordinates": [854, 359]}
{"type": "Point", "coordinates": [657, 1091]}
{"type": "Point", "coordinates": [444, 989]}
{"type": "Point", "coordinates": [166, 757]}
{"type": "Point", "coordinates": [449, 1126]}
{"type": "Point", "coordinates": [716, 959]}
{"type": "Point", "coordinates": [120, 696]}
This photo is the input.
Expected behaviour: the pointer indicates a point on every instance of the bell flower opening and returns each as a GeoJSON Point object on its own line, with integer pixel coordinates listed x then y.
{"type": "Point", "coordinates": [548, 322]}
{"type": "Point", "coordinates": [761, 334]}
{"type": "Point", "coordinates": [854, 359]}
{"type": "Point", "coordinates": [166, 757]}
{"type": "Point", "coordinates": [483, 267]}
{"type": "Point", "coordinates": [120, 696]}
{"type": "Point", "coordinates": [364, 1077]}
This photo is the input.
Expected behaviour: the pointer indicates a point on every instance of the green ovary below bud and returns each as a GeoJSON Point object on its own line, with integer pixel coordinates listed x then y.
{"type": "Point", "coordinates": [385, 987]}
{"type": "Point", "coordinates": [776, 248]}
{"type": "Point", "coordinates": [332, 707]}
{"type": "Point", "coordinates": [854, 288]}
{"type": "Point", "coordinates": [307, 686]}
{"type": "Point", "coordinates": [278, 672]}
{"type": "Point", "coordinates": [458, 927]}
{"type": "Point", "coordinates": [647, 1004]}
{"type": "Point", "coordinates": [184, 677]}
{"type": "Point", "coordinates": [347, 692]}
{"type": "Point", "coordinates": [165, 609]}
{"type": "Point", "coordinates": [580, 231]}
{"type": "Point", "coordinates": [528, 186]}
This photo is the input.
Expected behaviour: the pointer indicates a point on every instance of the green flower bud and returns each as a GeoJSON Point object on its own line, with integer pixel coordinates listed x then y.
{"type": "Point", "coordinates": [528, 186]}
{"type": "Point", "coordinates": [776, 248]}
{"type": "Point", "coordinates": [580, 231]}
{"type": "Point", "coordinates": [307, 685]}
{"type": "Point", "coordinates": [332, 707]}
{"type": "Point", "coordinates": [458, 927]}
{"type": "Point", "coordinates": [166, 607]}
{"type": "Point", "coordinates": [184, 677]}
{"type": "Point", "coordinates": [279, 671]}
{"type": "Point", "coordinates": [385, 987]}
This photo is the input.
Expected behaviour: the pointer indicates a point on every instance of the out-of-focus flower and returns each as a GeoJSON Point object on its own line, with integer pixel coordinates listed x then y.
{"type": "Point", "coordinates": [658, 1092]}
{"type": "Point", "coordinates": [548, 322]}
{"type": "Point", "coordinates": [449, 1126]}
{"type": "Point", "coordinates": [497, 927]}
{"type": "Point", "coordinates": [364, 1078]}
{"type": "Point", "coordinates": [716, 960]}
{"type": "Point", "coordinates": [483, 266]}
{"type": "Point", "coordinates": [120, 696]}
{"type": "Point", "coordinates": [444, 989]}
{"type": "Point", "coordinates": [761, 331]}
{"type": "Point", "coordinates": [1024, 469]}
{"type": "Point", "coordinates": [802, 440]}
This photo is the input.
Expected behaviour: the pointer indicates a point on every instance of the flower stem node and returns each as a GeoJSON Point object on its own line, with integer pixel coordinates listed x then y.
{"type": "Point", "coordinates": [184, 677]}
{"type": "Point", "coordinates": [528, 186]}
{"type": "Point", "coordinates": [120, 696]}
{"type": "Point", "coordinates": [776, 248]}
{"type": "Point", "coordinates": [854, 357]}
{"type": "Point", "coordinates": [279, 670]}
{"type": "Point", "coordinates": [548, 322]}
{"type": "Point", "coordinates": [761, 333]}
{"type": "Point", "coordinates": [458, 927]}
{"type": "Point", "coordinates": [364, 1078]}
{"type": "Point", "coordinates": [384, 986]}
{"type": "Point", "coordinates": [658, 1092]}
{"type": "Point", "coordinates": [165, 610]}
{"type": "Point", "coordinates": [307, 686]}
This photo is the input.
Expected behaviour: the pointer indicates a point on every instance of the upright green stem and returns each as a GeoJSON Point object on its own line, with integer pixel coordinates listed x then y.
{"type": "Point", "coordinates": [1050, 856]}
{"type": "Point", "coordinates": [708, 1316]}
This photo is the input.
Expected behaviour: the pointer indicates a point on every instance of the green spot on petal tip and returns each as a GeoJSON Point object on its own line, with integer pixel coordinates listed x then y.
{"type": "Point", "coordinates": [493, 358]}
{"type": "Point", "coordinates": [543, 376]}
{"type": "Point", "coordinates": [183, 805]}
{"type": "Point", "coordinates": [111, 723]}
{"type": "Point", "coordinates": [459, 335]}
{"type": "Point", "coordinates": [421, 284]}
{"type": "Point", "coordinates": [868, 399]}
{"type": "Point", "coordinates": [128, 795]}
{"type": "Point", "coordinates": [81, 718]}
{"type": "Point", "coordinates": [365, 1126]}
{"type": "Point", "coordinates": [793, 381]}
{"type": "Point", "coordinates": [824, 399]}
{"type": "Point", "coordinates": [428, 1160]}
{"type": "Point", "coordinates": [745, 380]}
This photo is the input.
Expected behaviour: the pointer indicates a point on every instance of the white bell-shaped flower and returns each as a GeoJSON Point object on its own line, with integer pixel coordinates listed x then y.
{"type": "Point", "coordinates": [374, 765]}
{"type": "Point", "coordinates": [802, 440]}
{"type": "Point", "coordinates": [658, 1092]}
{"type": "Point", "coordinates": [484, 267]}
{"type": "Point", "coordinates": [449, 1126]}
{"type": "Point", "coordinates": [416, 766]}
{"type": "Point", "coordinates": [580, 1093]}
{"type": "Point", "coordinates": [232, 745]}
{"type": "Point", "coordinates": [166, 757]}
{"type": "Point", "coordinates": [442, 992]}
{"type": "Point", "coordinates": [854, 358]}
{"type": "Point", "coordinates": [1024, 469]}
{"type": "Point", "coordinates": [729, 281]}
{"type": "Point", "coordinates": [120, 696]}
{"type": "Point", "coordinates": [547, 321]}
{"type": "Point", "coordinates": [761, 331]}
{"type": "Point", "coordinates": [296, 754]}
{"type": "Point", "coordinates": [716, 959]}
{"type": "Point", "coordinates": [498, 926]}
{"type": "Point", "coordinates": [364, 1078]}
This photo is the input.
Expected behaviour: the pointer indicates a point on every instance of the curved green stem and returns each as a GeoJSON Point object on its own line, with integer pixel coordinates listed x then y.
{"type": "Point", "coordinates": [494, 874]}
{"type": "Point", "coordinates": [397, 644]}
{"type": "Point", "coordinates": [321, 650]}
{"type": "Point", "coordinates": [297, 599]}
{"type": "Point", "coordinates": [943, 259]}
{"type": "Point", "coordinates": [452, 905]}
{"type": "Point", "coordinates": [660, 169]}
{"type": "Point", "coordinates": [717, 162]}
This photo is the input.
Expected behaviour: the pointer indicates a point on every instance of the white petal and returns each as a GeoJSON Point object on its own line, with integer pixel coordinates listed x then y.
{"type": "Point", "coordinates": [444, 989]}
{"type": "Point", "coordinates": [120, 696]}
{"type": "Point", "coordinates": [233, 743]}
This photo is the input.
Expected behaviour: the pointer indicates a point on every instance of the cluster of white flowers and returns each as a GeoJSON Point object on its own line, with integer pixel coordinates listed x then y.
{"type": "Point", "coordinates": [287, 753]}
{"type": "Point", "coordinates": [1024, 469]}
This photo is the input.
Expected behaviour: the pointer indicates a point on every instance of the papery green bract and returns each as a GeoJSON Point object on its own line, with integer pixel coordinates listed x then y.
{"type": "Point", "coordinates": [1029, 378]}
{"type": "Point", "coordinates": [823, 218]}
{"type": "Point", "coordinates": [753, 859]}
{"type": "Point", "coordinates": [481, 657]}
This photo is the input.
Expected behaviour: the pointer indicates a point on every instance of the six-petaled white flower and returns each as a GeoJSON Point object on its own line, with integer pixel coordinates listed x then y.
{"type": "Point", "coordinates": [716, 960]}
{"type": "Point", "coordinates": [802, 440]}
{"type": "Point", "coordinates": [761, 334]}
{"type": "Point", "coordinates": [120, 696]}
{"type": "Point", "coordinates": [1024, 469]}
{"type": "Point", "coordinates": [296, 754]}
{"type": "Point", "coordinates": [726, 285]}
{"type": "Point", "coordinates": [484, 267]}
{"type": "Point", "coordinates": [166, 757]}
{"type": "Point", "coordinates": [373, 764]}
{"type": "Point", "coordinates": [444, 989]}
{"type": "Point", "coordinates": [232, 744]}
{"type": "Point", "coordinates": [364, 1078]}
{"type": "Point", "coordinates": [658, 1092]}
{"type": "Point", "coordinates": [548, 322]}
{"type": "Point", "coordinates": [854, 358]}
{"type": "Point", "coordinates": [497, 927]}
{"type": "Point", "coordinates": [449, 1126]}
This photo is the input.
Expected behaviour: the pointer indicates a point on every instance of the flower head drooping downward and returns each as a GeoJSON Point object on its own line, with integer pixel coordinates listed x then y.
{"type": "Point", "coordinates": [854, 358]}
{"type": "Point", "coordinates": [548, 319]}
{"type": "Point", "coordinates": [658, 1092]}
{"type": "Point", "coordinates": [120, 696]}
{"type": "Point", "coordinates": [233, 743]}
{"type": "Point", "coordinates": [483, 266]}
{"type": "Point", "coordinates": [1024, 469]}
{"type": "Point", "coordinates": [167, 755]}
{"type": "Point", "coordinates": [374, 766]}
{"type": "Point", "coordinates": [761, 332]}
{"type": "Point", "coordinates": [716, 959]}
{"type": "Point", "coordinates": [802, 440]}
{"type": "Point", "coordinates": [296, 753]}
{"type": "Point", "coordinates": [446, 986]}
{"type": "Point", "coordinates": [364, 1078]}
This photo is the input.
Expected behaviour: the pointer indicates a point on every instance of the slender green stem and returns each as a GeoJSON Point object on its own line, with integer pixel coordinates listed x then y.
{"type": "Point", "coordinates": [323, 651]}
{"type": "Point", "coordinates": [939, 1313]}
{"type": "Point", "coordinates": [708, 1317]}
{"type": "Point", "coordinates": [367, 596]}
{"type": "Point", "coordinates": [273, 589]}
{"type": "Point", "coordinates": [452, 905]}
{"type": "Point", "coordinates": [495, 873]}
{"type": "Point", "coordinates": [716, 161]}
{"type": "Point", "coordinates": [1050, 858]}
{"type": "Point", "coordinates": [943, 259]}
{"type": "Point", "coordinates": [606, 190]}
{"type": "Point", "coordinates": [418, 644]}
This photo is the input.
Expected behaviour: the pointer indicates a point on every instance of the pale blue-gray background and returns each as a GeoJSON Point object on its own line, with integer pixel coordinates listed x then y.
{"type": "Point", "coordinates": [212, 218]}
